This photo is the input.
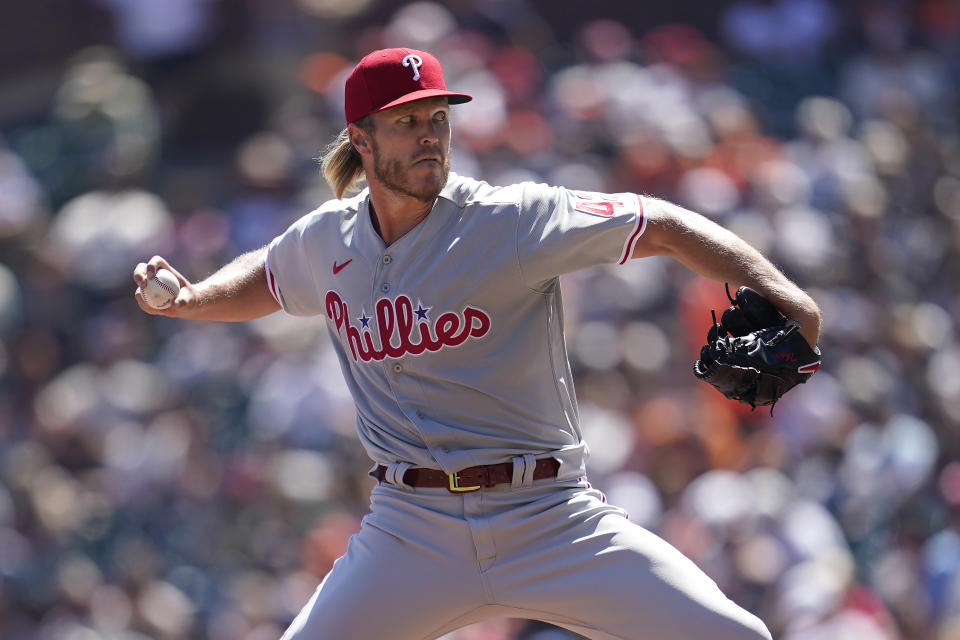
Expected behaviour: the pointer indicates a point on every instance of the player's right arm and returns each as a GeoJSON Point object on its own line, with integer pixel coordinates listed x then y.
{"type": "Point", "coordinates": [236, 292]}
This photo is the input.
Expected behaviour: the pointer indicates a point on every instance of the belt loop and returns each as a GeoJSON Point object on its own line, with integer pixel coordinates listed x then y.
{"type": "Point", "coordinates": [394, 475]}
{"type": "Point", "coordinates": [529, 466]}
{"type": "Point", "coordinates": [519, 467]}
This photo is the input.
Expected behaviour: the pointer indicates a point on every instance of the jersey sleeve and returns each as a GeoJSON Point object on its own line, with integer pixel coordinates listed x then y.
{"type": "Point", "coordinates": [561, 230]}
{"type": "Point", "coordinates": [290, 273]}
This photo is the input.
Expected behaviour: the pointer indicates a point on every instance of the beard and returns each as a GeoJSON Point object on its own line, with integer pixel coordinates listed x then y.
{"type": "Point", "coordinates": [391, 173]}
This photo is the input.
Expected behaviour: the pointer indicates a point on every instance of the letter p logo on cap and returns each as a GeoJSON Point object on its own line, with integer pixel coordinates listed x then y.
{"type": "Point", "coordinates": [414, 61]}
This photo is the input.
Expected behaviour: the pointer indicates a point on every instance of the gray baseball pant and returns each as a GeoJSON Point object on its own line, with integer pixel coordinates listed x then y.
{"type": "Point", "coordinates": [427, 561]}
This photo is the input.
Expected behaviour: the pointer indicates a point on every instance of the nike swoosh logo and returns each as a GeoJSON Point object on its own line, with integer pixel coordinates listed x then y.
{"type": "Point", "coordinates": [337, 268]}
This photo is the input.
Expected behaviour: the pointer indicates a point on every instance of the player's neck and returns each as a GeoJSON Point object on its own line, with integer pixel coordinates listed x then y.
{"type": "Point", "coordinates": [394, 215]}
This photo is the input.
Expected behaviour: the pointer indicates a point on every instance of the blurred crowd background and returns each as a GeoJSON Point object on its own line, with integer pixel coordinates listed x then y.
{"type": "Point", "coordinates": [162, 479]}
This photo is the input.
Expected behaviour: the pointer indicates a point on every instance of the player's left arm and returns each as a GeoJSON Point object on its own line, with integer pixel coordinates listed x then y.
{"type": "Point", "coordinates": [717, 253]}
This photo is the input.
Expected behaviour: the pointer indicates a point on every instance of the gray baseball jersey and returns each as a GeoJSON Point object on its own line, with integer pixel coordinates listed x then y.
{"type": "Point", "coordinates": [451, 339]}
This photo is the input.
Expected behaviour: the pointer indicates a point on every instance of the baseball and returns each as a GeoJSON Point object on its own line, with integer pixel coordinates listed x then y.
{"type": "Point", "coordinates": [161, 290]}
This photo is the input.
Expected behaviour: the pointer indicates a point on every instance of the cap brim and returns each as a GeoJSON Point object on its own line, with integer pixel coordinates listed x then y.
{"type": "Point", "coordinates": [453, 98]}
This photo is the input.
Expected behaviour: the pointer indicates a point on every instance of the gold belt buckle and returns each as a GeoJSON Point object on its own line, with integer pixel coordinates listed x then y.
{"type": "Point", "coordinates": [455, 484]}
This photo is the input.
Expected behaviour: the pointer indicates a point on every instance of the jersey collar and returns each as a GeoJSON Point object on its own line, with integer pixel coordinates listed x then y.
{"type": "Point", "coordinates": [372, 243]}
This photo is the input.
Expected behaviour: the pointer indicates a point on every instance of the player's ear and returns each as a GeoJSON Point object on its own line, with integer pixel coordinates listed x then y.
{"type": "Point", "coordinates": [360, 139]}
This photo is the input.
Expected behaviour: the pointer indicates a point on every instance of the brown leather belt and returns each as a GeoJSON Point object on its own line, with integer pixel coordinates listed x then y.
{"type": "Point", "coordinates": [471, 478]}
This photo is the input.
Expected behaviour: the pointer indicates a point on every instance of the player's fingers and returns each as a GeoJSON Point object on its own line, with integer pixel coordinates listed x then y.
{"type": "Point", "coordinates": [140, 274]}
{"type": "Point", "coordinates": [159, 262]}
{"type": "Point", "coordinates": [155, 264]}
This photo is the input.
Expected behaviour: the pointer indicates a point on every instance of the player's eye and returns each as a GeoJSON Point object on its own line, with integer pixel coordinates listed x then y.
{"type": "Point", "coordinates": [440, 116]}
{"type": "Point", "coordinates": [406, 120]}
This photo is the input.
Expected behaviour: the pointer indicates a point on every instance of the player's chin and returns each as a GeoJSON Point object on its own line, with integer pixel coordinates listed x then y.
{"type": "Point", "coordinates": [430, 179]}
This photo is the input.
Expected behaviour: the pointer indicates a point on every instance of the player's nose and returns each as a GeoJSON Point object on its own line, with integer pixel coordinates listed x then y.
{"type": "Point", "coordinates": [429, 133]}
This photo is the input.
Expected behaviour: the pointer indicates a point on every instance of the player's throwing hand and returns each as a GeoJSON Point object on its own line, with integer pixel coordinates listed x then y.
{"type": "Point", "coordinates": [185, 300]}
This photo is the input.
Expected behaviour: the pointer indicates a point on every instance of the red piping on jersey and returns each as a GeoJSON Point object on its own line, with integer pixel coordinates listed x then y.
{"type": "Point", "coordinates": [272, 283]}
{"type": "Point", "coordinates": [641, 224]}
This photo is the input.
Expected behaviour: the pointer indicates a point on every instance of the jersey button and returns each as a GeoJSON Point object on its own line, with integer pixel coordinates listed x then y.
{"type": "Point", "coordinates": [385, 287]}
{"type": "Point", "coordinates": [397, 368]}
{"type": "Point", "coordinates": [387, 259]}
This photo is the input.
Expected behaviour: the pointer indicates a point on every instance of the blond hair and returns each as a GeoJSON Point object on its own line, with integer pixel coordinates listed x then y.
{"type": "Point", "coordinates": [341, 164]}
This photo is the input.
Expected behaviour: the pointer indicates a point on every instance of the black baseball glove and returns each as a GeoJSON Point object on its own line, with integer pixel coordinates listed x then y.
{"type": "Point", "coordinates": [755, 354]}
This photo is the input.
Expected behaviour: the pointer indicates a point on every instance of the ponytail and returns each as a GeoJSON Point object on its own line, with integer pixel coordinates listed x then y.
{"type": "Point", "coordinates": [341, 164]}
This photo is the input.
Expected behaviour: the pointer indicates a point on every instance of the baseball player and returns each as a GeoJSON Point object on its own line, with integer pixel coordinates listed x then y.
{"type": "Point", "coordinates": [441, 296]}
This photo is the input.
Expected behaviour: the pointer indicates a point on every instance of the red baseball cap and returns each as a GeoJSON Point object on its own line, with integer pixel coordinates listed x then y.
{"type": "Point", "coordinates": [389, 77]}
